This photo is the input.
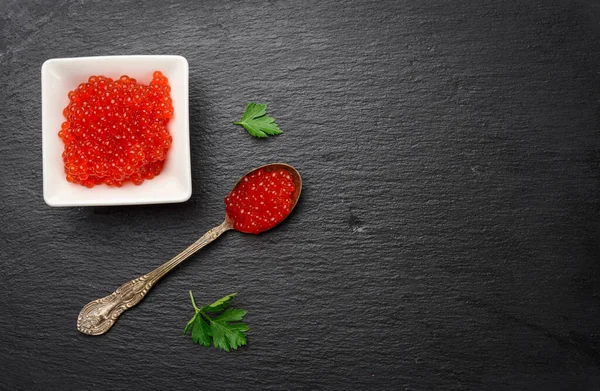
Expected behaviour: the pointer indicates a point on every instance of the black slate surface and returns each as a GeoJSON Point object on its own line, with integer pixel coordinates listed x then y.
{"type": "Point", "coordinates": [447, 236]}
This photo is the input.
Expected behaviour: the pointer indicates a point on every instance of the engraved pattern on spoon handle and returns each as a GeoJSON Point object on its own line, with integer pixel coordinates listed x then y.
{"type": "Point", "coordinates": [98, 316]}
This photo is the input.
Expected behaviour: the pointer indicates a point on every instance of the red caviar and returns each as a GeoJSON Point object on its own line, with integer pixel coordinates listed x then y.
{"type": "Point", "coordinates": [261, 200]}
{"type": "Point", "coordinates": [116, 130]}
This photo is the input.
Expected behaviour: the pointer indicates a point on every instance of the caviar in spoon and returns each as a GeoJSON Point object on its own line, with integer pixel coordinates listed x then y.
{"type": "Point", "coordinates": [277, 185]}
{"type": "Point", "coordinates": [261, 200]}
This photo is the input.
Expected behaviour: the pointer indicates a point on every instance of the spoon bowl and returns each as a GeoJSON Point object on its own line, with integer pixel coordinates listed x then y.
{"type": "Point", "coordinates": [296, 178]}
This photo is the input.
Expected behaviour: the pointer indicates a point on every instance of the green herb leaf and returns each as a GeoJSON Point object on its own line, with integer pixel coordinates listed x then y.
{"type": "Point", "coordinates": [225, 331]}
{"type": "Point", "coordinates": [230, 315]}
{"type": "Point", "coordinates": [220, 304]}
{"type": "Point", "coordinates": [200, 330]}
{"type": "Point", "coordinates": [257, 123]}
{"type": "Point", "coordinates": [225, 336]}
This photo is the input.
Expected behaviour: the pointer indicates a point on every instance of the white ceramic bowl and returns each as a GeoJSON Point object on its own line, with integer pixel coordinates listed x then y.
{"type": "Point", "coordinates": [61, 75]}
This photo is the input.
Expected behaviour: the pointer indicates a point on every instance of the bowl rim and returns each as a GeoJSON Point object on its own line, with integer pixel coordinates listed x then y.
{"type": "Point", "coordinates": [178, 197]}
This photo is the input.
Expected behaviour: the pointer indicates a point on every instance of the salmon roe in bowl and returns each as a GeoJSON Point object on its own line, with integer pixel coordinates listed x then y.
{"type": "Point", "coordinates": [116, 130]}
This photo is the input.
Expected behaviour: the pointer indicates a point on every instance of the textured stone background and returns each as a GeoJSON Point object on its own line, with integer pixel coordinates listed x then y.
{"type": "Point", "coordinates": [448, 233]}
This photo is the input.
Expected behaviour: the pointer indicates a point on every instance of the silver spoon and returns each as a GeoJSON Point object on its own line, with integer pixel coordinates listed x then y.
{"type": "Point", "coordinates": [98, 316]}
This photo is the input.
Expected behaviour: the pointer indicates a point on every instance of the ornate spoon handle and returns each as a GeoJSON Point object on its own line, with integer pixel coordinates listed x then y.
{"type": "Point", "coordinates": [98, 316]}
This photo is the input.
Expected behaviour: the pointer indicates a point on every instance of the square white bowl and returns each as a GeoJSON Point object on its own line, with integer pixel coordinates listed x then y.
{"type": "Point", "coordinates": [61, 75]}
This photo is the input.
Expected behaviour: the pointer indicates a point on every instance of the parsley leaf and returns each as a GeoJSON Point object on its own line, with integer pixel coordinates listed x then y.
{"type": "Point", "coordinates": [257, 123]}
{"type": "Point", "coordinates": [219, 305]}
{"type": "Point", "coordinates": [200, 330]}
{"type": "Point", "coordinates": [225, 331]}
